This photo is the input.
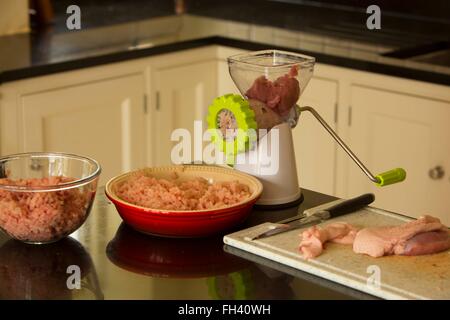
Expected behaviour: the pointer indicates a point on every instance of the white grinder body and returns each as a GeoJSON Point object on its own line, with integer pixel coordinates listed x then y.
{"type": "Point", "coordinates": [275, 166]}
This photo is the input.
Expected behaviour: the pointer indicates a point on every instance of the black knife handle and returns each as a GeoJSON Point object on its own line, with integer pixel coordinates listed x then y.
{"type": "Point", "coordinates": [351, 205]}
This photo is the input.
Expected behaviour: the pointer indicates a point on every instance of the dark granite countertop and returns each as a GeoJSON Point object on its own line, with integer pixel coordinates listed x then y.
{"type": "Point", "coordinates": [336, 37]}
{"type": "Point", "coordinates": [117, 262]}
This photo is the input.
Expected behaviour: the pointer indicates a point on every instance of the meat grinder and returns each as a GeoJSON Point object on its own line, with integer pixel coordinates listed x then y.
{"type": "Point", "coordinates": [253, 131]}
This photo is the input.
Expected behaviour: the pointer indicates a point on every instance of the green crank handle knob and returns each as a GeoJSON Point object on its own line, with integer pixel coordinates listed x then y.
{"type": "Point", "coordinates": [391, 177]}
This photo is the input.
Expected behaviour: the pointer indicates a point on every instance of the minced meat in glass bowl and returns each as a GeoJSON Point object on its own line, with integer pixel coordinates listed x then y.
{"type": "Point", "coordinates": [44, 197]}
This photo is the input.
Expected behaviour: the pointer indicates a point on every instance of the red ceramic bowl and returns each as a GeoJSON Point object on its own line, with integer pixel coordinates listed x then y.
{"type": "Point", "coordinates": [181, 223]}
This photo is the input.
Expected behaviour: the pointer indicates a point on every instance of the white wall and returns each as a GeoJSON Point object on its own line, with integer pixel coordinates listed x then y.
{"type": "Point", "coordinates": [13, 17]}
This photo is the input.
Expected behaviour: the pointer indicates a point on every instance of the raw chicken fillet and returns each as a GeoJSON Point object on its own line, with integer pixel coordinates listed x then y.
{"type": "Point", "coordinates": [314, 238]}
{"type": "Point", "coordinates": [422, 236]}
{"type": "Point", "coordinates": [425, 235]}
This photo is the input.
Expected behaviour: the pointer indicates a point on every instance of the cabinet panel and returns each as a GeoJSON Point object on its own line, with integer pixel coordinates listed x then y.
{"type": "Point", "coordinates": [391, 130]}
{"type": "Point", "coordinates": [182, 96]}
{"type": "Point", "coordinates": [103, 120]}
{"type": "Point", "coordinates": [314, 148]}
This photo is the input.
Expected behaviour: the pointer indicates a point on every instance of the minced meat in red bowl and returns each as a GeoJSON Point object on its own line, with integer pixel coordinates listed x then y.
{"type": "Point", "coordinates": [184, 200]}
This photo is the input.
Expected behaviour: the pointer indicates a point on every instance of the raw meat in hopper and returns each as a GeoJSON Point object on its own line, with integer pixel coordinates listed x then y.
{"type": "Point", "coordinates": [425, 235]}
{"type": "Point", "coordinates": [271, 103]}
{"type": "Point", "coordinates": [280, 95]}
{"type": "Point", "coordinates": [265, 117]}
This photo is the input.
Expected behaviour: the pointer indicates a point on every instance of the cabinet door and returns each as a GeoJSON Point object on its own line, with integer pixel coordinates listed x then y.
{"type": "Point", "coordinates": [103, 120]}
{"type": "Point", "coordinates": [389, 130]}
{"type": "Point", "coordinates": [182, 96]}
{"type": "Point", "coordinates": [314, 147]}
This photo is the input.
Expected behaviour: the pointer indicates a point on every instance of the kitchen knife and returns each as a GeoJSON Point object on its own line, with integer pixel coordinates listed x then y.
{"type": "Point", "coordinates": [300, 221]}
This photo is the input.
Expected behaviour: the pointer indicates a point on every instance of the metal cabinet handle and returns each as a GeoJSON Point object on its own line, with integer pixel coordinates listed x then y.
{"type": "Point", "coordinates": [436, 173]}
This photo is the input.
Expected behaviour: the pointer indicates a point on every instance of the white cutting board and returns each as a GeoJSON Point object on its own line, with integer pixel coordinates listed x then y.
{"type": "Point", "coordinates": [400, 277]}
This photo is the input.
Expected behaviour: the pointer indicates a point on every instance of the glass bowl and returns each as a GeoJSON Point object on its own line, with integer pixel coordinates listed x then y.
{"type": "Point", "coordinates": [245, 68]}
{"type": "Point", "coordinates": [45, 196]}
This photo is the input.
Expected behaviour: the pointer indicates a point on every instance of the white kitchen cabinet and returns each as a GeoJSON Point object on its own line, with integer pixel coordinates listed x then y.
{"type": "Point", "coordinates": [102, 119]}
{"type": "Point", "coordinates": [314, 148]}
{"type": "Point", "coordinates": [182, 95]}
{"type": "Point", "coordinates": [390, 129]}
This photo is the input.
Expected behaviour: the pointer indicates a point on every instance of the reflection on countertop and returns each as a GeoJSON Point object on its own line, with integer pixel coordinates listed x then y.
{"type": "Point", "coordinates": [38, 272]}
{"type": "Point", "coordinates": [339, 38]}
{"type": "Point", "coordinates": [170, 257]}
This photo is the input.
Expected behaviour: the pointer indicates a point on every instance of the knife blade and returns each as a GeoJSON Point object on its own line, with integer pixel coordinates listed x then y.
{"type": "Point", "coordinates": [300, 221]}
